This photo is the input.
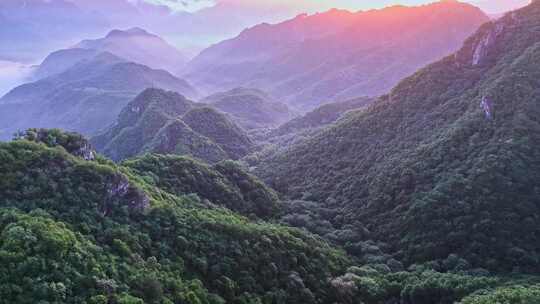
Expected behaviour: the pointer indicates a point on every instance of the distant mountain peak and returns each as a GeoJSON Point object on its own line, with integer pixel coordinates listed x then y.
{"type": "Point", "coordinates": [140, 46]}
{"type": "Point", "coordinates": [134, 31]}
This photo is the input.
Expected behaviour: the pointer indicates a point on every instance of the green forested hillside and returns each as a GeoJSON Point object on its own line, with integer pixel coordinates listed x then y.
{"type": "Point", "coordinates": [424, 171]}
{"type": "Point", "coordinates": [151, 231]}
{"type": "Point", "coordinates": [224, 184]}
{"type": "Point", "coordinates": [321, 116]}
{"type": "Point", "coordinates": [154, 122]}
{"type": "Point", "coordinates": [76, 231]}
{"type": "Point", "coordinates": [215, 125]}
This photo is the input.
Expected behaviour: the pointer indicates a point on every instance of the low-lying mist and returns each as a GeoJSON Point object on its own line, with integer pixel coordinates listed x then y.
{"type": "Point", "coordinates": [13, 74]}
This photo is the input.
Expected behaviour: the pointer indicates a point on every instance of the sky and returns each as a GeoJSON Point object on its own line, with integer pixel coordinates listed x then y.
{"type": "Point", "coordinates": [490, 6]}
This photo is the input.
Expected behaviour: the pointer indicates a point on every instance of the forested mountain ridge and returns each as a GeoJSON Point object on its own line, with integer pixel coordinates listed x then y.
{"type": "Point", "coordinates": [321, 116]}
{"type": "Point", "coordinates": [251, 108]}
{"type": "Point", "coordinates": [429, 172]}
{"type": "Point", "coordinates": [426, 195]}
{"type": "Point", "coordinates": [154, 230]}
{"type": "Point", "coordinates": [166, 122]}
{"type": "Point", "coordinates": [335, 55]}
{"type": "Point", "coordinates": [224, 183]}
{"type": "Point", "coordinates": [77, 231]}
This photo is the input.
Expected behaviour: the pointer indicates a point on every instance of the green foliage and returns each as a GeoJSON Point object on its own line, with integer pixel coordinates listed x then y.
{"type": "Point", "coordinates": [77, 231]}
{"type": "Point", "coordinates": [423, 171]}
{"type": "Point", "coordinates": [216, 126]}
{"type": "Point", "coordinates": [73, 143]}
{"type": "Point", "coordinates": [152, 122]}
{"type": "Point", "coordinates": [321, 116]}
{"type": "Point", "coordinates": [409, 287]}
{"type": "Point", "coordinates": [224, 184]}
{"type": "Point", "coordinates": [506, 295]}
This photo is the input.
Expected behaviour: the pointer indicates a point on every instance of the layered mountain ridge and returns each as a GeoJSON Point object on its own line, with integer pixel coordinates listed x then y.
{"type": "Point", "coordinates": [428, 171]}
{"type": "Point", "coordinates": [336, 55]}
{"type": "Point", "coordinates": [134, 45]}
{"type": "Point", "coordinates": [87, 97]}
{"type": "Point", "coordinates": [251, 108]}
{"type": "Point", "coordinates": [166, 122]}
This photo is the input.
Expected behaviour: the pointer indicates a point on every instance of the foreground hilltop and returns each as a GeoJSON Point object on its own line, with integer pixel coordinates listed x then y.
{"type": "Point", "coordinates": [77, 228]}
{"type": "Point", "coordinates": [447, 163]}
{"type": "Point", "coordinates": [89, 231]}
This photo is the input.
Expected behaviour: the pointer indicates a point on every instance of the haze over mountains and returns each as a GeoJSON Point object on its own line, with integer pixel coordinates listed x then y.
{"type": "Point", "coordinates": [337, 54]}
{"type": "Point", "coordinates": [134, 44]}
{"type": "Point", "coordinates": [86, 97]}
{"type": "Point", "coordinates": [388, 156]}
{"type": "Point", "coordinates": [251, 108]}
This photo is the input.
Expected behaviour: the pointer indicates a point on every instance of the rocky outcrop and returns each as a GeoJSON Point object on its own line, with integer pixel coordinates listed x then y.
{"type": "Point", "coordinates": [121, 193]}
{"type": "Point", "coordinates": [479, 48]}
{"type": "Point", "coordinates": [85, 151]}
{"type": "Point", "coordinates": [73, 143]}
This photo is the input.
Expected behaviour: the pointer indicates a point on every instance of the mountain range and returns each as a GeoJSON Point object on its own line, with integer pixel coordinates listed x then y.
{"type": "Point", "coordinates": [87, 97]}
{"type": "Point", "coordinates": [137, 45]}
{"type": "Point", "coordinates": [422, 192]}
{"type": "Point", "coordinates": [445, 164]}
{"type": "Point", "coordinates": [337, 55]}
{"type": "Point", "coordinates": [322, 116]}
{"type": "Point", "coordinates": [134, 45]}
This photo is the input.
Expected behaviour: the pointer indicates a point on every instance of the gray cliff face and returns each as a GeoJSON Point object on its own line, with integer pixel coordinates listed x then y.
{"type": "Point", "coordinates": [86, 152]}
{"type": "Point", "coordinates": [120, 193]}
{"type": "Point", "coordinates": [483, 46]}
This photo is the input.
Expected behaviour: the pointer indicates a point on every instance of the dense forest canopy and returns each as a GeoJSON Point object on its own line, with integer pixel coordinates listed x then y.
{"type": "Point", "coordinates": [425, 171]}
{"type": "Point", "coordinates": [426, 195]}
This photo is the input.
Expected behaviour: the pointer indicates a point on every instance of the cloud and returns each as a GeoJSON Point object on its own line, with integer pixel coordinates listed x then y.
{"type": "Point", "coordinates": [184, 5]}
{"type": "Point", "coordinates": [318, 5]}
{"type": "Point", "coordinates": [498, 6]}
{"type": "Point", "coordinates": [12, 74]}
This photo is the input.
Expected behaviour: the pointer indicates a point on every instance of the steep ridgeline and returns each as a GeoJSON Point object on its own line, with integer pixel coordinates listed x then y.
{"type": "Point", "coordinates": [168, 123]}
{"type": "Point", "coordinates": [321, 116]}
{"type": "Point", "coordinates": [139, 46]}
{"type": "Point", "coordinates": [135, 45]}
{"type": "Point", "coordinates": [250, 108]}
{"type": "Point", "coordinates": [426, 169]}
{"type": "Point", "coordinates": [60, 61]}
{"type": "Point", "coordinates": [336, 55]}
{"type": "Point", "coordinates": [85, 98]}
{"type": "Point", "coordinates": [224, 184]}
{"type": "Point", "coordinates": [77, 231]}
{"type": "Point", "coordinates": [303, 128]}
{"type": "Point", "coordinates": [216, 126]}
